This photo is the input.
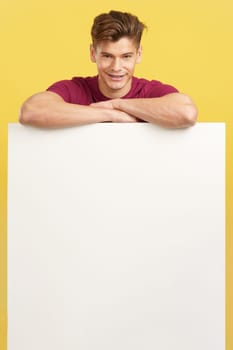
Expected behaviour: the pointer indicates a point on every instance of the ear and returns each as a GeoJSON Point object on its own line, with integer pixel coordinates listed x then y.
{"type": "Point", "coordinates": [92, 53]}
{"type": "Point", "coordinates": [139, 54]}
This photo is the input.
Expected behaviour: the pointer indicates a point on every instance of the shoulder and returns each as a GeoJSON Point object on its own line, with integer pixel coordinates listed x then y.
{"type": "Point", "coordinates": [75, 90]}
{"type": "Point", "coordinates": [84, 81]}
{"type": "Point", "coordinates": [75, 82]}
{"type": "Point", "coordinates": [151, 88]}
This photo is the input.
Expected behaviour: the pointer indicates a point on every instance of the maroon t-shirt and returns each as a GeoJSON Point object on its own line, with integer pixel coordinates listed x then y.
{"type": "Point", "coordinates": [85, 91]}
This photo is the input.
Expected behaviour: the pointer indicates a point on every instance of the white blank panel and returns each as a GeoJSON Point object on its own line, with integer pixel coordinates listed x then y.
{"type": "Point", "coordinates": [116, 238]}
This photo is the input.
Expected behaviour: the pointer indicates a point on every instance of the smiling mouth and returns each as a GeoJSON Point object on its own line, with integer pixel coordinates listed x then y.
{"type": "Point", "coordinates": [116, 76]}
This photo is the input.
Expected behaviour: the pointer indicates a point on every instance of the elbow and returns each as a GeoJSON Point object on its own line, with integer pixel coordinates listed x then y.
{"type": "Point", "coordinates": [188, 112]}
{"type": "Point", "coordinates": [186, 117]}
{"type": "Point", "coordinates": [184, 111]}
{"type": "Point", "coordinates": [191, 115]}
{"type": "Point", "coordinates": [25, 114]}
{"type": "Point", "coordinates": [29, 114]}
{"type": "Point", "coordinates": [36, 109]}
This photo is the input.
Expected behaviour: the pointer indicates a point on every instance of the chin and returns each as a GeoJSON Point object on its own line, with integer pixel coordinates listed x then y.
{"type": "Point", "coordinates": [116, 86]}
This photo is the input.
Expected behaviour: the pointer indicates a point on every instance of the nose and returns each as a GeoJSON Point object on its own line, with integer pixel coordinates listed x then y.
{"type": "Point", "coordinates": [116, 65]}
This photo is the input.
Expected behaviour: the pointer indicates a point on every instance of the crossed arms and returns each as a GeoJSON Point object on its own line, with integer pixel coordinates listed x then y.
{"type": "Point", "coordinates": [48, 109]}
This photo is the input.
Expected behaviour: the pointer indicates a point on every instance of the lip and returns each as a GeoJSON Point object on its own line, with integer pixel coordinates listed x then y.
{"type": "Point", "coordinates": [116, 76]}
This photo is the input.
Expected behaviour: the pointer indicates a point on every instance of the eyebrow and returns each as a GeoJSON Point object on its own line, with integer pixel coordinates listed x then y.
{"type": "Point", "coordinates": [108, 53]}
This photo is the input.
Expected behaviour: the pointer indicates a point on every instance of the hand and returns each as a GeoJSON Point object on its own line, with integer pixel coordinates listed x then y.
{"type": "Point", "coordinates": [122, 117]}
{"type": "Point", "coordinates": [104, 104]}
{"type": "Point", "coordinates": [116, 115]}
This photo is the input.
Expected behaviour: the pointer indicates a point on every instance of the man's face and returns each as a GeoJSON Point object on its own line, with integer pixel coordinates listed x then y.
{"type": "Point", "coordinates": [115, 63]}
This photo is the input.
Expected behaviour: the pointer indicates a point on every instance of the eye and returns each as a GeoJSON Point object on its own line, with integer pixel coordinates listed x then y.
{"type": "Point", "coordinates": [127, 56]}
{"type": "Point", "coordinates": [106, 55]}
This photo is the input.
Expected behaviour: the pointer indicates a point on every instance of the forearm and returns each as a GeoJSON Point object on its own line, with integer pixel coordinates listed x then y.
{"type": "Point", "coordinates": [173, 110]}
{"type": "Point", "coordinates": [50, 112]}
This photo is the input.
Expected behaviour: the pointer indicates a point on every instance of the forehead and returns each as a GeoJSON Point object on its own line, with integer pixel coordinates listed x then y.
{"type": "Point", "coordinates": [123, 45]}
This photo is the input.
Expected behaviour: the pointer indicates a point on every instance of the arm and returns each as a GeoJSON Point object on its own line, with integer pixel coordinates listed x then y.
{"type": "Point", "coordinates": [48, 109]}
{"type": "Point", "coordinates": [174, 110]}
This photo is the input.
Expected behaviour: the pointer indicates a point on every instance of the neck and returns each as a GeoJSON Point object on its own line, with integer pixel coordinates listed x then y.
{"type": "Point", "coordinates": [114, 93]}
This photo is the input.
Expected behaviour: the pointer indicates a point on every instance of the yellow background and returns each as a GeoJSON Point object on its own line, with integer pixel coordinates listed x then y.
{"type": "Point", "coordinates": [188, 44]}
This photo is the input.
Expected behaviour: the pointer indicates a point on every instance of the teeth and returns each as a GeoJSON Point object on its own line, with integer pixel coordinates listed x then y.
{"type": "Point", "coordinates": [116, 76]}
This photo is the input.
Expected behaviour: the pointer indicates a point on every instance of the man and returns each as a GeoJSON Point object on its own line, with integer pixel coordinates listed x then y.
{"type": "Point", "coordinates": [114, 95]}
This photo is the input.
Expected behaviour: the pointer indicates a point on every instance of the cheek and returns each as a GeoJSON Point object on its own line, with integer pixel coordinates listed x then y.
{"type": "Point", "coordinates": [130, 66]}
{"type": "Point", "coordinates": [102, 65]}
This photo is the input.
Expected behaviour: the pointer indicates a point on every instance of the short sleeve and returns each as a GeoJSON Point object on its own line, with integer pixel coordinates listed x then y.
{"type": "Point", "coordinates": [62, 88]}
{"type": "Point", "coordinates": [158, 89]}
